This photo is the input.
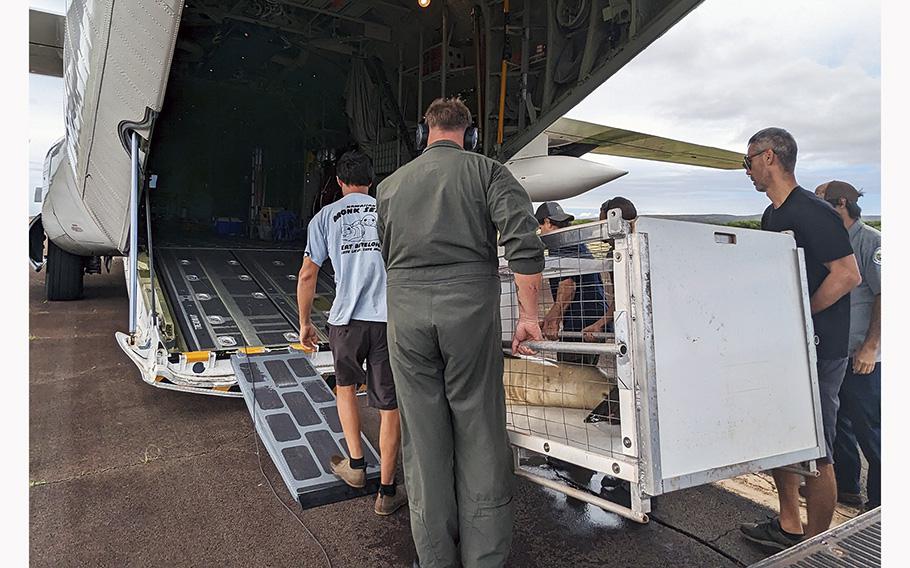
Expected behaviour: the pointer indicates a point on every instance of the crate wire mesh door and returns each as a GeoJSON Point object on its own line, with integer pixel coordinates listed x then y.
{"type": "Point", "coordinates": [573, 401]}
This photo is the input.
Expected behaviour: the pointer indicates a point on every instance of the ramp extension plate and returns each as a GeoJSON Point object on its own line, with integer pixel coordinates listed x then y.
{"type": "Point", "coordinates": [297, 420]}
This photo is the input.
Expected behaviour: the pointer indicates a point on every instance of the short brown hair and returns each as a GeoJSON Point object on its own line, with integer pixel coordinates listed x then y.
{"type": "Point", "coordinates": [448, 114]}
{"type": "Point", "coordinates": [781, 142]}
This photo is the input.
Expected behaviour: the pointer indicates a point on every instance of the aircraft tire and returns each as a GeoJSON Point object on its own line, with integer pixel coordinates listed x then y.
{"type": "Point", "coordinates": [63, 279]}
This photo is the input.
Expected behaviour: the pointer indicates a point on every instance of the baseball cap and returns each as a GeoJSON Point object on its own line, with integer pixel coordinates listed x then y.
{"type": "Point", "coordinates": [551, 210]}
{"type": "Point", "coordinates": [837, 189]}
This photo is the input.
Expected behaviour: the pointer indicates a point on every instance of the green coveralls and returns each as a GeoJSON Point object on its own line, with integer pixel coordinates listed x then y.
{"type": "Point", "coordinates": [438, 221]}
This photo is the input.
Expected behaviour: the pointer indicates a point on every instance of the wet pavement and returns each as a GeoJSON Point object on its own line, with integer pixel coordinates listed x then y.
{"type": "Point", "coordinates": [123, 474]}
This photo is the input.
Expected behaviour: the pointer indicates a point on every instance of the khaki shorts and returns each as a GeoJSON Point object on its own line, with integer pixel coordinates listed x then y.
{"type": "Point", "coordinates": [355, 343]}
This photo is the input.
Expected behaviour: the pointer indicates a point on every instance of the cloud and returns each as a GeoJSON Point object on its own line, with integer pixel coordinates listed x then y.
{"type": "Point", "coordinates": [56, 6]}
{"type": "Point", "coordinates": [731, 68]}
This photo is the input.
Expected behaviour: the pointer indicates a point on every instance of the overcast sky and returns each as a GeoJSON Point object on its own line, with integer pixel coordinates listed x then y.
{"type": "Point", "coordinates": [45, 114]}
{"type": "Point", "coordinates": [731, 68]}
{"type": "Point", "coordinates": [728, 69]}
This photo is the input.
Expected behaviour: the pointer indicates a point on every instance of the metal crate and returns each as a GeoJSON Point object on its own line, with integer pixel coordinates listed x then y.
{"type": "Point", "coordinates": [678, 391]}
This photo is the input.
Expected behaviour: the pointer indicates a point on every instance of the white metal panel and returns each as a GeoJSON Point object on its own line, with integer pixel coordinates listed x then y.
{"type": "Point", "coordinates": [66, 220]}
{"type": "Point", "coordinates": [734, 373]}
{"type": "Point", "coordinates": [117, 56]}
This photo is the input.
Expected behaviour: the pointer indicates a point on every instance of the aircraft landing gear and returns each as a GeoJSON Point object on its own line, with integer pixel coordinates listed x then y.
{"type": "Point", "coordinates": [63, 279]}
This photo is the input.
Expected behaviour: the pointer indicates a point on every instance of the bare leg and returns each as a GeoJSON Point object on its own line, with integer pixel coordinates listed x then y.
{"type": "Point", "coordinates": [349, 413]}
{"type": "Point", "coordinates": [821, 497]}
{"type": "Point", "coordinates": [389, 442]}
{"type": "Point", "coordinates": [788, 495]}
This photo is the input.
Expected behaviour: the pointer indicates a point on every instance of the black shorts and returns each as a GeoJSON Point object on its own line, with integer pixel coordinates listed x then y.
{"type": "Point", "coordinates": [355, 343]}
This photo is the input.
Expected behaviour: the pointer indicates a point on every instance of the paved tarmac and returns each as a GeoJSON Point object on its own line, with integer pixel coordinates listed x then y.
{"type": "Point", "coordinates": [123, 474]}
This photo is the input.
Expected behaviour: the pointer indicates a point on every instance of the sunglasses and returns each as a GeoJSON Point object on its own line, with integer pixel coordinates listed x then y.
{"type": "Point", "coordinates": [747, 160]}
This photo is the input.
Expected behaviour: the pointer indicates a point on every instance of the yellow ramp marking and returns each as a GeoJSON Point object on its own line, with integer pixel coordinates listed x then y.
{"type": "Point", "coordinates": [196, 356]}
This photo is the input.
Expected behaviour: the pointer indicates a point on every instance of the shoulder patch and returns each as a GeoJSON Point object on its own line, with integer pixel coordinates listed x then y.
{"type": "Point", "coordinates": [877, 256]}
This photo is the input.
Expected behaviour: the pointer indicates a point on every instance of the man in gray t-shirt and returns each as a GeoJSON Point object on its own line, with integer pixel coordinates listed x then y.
{"type": "Point", "coordinates": [345, 232]}
{"type": "Point", "coordinates": [859, 417]}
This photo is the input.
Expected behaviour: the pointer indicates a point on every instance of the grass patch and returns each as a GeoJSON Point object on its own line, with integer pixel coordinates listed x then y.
{"type": "Point", "coordinates": [756, 224]}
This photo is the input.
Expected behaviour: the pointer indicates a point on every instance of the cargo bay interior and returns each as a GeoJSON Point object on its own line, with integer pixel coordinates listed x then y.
{"type": "Point", "coordinates": [264, 95]}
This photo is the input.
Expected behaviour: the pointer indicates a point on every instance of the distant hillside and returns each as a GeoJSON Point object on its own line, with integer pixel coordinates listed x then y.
{"type": "Point", "coordinates": [721, 219]}
{"type": "Point", "coordinates": [749, 221]}
{"type": "Point", "coordinates": [712, 218]}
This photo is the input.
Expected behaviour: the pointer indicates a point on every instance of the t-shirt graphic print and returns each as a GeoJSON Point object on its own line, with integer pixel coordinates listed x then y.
{"type": "Point", "coordinates": [345, 232]}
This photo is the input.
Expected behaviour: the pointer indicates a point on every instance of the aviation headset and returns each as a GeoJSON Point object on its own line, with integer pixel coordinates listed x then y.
{"type": "Point", "coordinates": [471, 137]}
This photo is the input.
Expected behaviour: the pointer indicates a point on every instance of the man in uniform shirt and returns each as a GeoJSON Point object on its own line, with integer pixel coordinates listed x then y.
{"type": "Point", "coordinates": [345, 232]}
{"type": "Point", "coordinates": [859, 417]}
{"type": "Point", "coordinates": [831, 272]}
{"type": "Point", "coordinates": [578, 300]}
{"type": "Point", "coordinates": [439, 216]}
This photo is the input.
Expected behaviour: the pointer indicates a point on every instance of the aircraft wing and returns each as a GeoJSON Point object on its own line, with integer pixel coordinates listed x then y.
{"type": "Point", "coordinates": [45, 43]}
{"type": "Point", "coordinates": [576, 138]}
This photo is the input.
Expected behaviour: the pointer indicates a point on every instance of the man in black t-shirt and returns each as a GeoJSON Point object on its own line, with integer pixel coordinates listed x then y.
{"type": "Point", "coordinates": [832, 272]}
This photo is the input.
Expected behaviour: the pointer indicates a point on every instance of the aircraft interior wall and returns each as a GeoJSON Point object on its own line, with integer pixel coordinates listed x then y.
{"type": "Point", "coordinates": [255, 115]}
{"type": "Point", "coordinates": [213, 140]}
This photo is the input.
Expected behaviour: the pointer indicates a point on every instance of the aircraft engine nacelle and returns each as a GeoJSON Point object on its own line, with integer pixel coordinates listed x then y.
{"type": "Point", "coordinates": [551, 178]}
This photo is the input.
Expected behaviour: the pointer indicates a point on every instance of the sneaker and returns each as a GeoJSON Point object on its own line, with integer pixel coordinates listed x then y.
{"type": "Point", "coordinates": [341, 467]}
{"type": "Point", "coordinates": [388, 504]}
{"type": "Point", "coordinates": [770, 534]}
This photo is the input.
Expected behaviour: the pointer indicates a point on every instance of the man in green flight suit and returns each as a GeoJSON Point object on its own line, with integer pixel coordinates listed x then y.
{"type": "Point", "coordinates": [438, 221]}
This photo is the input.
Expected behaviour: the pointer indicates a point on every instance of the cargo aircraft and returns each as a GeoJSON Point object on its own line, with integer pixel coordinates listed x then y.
{"type": "Point", "coordinates": [192, 126]}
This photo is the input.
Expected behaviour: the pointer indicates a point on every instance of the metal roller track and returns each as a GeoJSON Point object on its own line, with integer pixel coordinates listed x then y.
{"type": "Point", "coordinates": [223, 298]}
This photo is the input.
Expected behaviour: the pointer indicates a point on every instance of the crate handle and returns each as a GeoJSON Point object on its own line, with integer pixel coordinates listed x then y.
{"type": "Point", "coordinates": [724, 238]}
